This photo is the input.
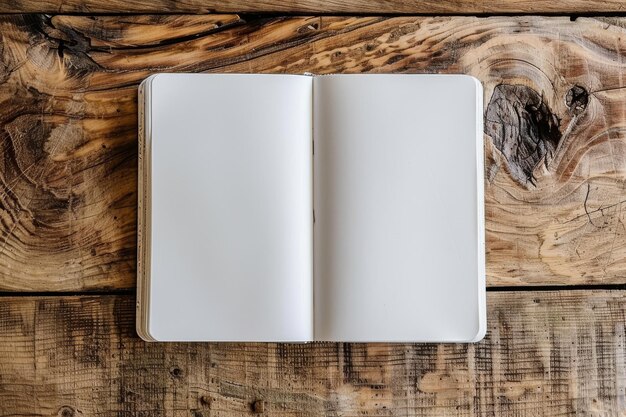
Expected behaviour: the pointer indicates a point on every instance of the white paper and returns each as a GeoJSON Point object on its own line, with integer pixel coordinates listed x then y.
{"type": "Point", "coordinates": [231, 236]}
{"type": "Point", "coordinates": [398, 195]}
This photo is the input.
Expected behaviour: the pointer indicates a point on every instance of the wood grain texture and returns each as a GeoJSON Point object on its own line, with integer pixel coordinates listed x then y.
{"type": "Point", "coordinates": [545, 354]}
{"type": "Point", "coordinates": [555, 114]}
{"type": "Point", "coordinates": [315, 6]}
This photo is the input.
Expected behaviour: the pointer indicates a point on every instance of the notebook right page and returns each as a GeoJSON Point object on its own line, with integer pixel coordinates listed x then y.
{"type": "Point", "coordinates": [398, 200]}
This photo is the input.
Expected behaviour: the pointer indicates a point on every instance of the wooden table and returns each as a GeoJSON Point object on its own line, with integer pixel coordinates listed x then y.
{"type": "Point", "coordinates": [555, 124]}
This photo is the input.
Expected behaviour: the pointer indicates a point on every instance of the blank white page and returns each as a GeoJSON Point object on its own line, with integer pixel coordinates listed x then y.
{"type": "Point", "coordinates": [231, 216]}
{"type": "Point", "coordinates": [398, 196]}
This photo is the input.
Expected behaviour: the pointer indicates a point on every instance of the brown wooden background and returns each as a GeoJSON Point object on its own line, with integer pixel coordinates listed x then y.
{"type": "Point", "coordinates": [555, 124]}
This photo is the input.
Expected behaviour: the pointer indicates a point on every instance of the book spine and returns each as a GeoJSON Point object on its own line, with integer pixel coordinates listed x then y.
{"type": "Point", "coordinates": [140, 191]}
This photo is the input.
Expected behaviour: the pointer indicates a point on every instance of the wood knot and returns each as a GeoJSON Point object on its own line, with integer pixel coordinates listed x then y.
{"type": "Point", "coordinates": [258, 406]}
{"type": "Point", "coordinates": [577, 99]}
{"type": "Point", "coordinates": [523, 128]}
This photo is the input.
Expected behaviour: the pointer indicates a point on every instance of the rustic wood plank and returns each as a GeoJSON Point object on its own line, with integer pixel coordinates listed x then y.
{"type": "Point", "coordinates": [555, 114]}
{"type": "Point", "coordinates": [545, 354]}
{"type": "Point", "coordinates": [440, 7]}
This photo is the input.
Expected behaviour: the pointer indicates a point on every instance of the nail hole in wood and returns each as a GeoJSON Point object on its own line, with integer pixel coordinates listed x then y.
{"type": "Point", "coordinates": [66, 411]}
{"type": "Point", "coordinates": [258, 406]}
{"type": "Point", "coordinates": [176, 372]}
{"type": "Point", "coordinates": [206, 401]}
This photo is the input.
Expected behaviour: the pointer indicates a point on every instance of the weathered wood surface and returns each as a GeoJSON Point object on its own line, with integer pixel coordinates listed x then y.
{"type": "Point", "coordinates": [545, 354]}
{"type": "Point", "coordinates": [555, 114]}
{"type": "Point", "coordinates": [438, 7]}
{"type": "Point", "coordinates": [555, 122]}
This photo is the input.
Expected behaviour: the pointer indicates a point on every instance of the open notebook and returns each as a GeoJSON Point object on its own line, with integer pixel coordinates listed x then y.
{"type": "Point", "coordinates": [305, 208]}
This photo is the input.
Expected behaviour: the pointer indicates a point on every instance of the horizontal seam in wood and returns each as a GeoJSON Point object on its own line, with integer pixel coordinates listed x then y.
{"type": "Point", "coordinates": [313, 13]}
{"type": "Point", "coordinates": [518, 288]}
{"type": "Point", "coordinates": [582, 287]}
{"type": "Point", "coordinates": [129, 291]}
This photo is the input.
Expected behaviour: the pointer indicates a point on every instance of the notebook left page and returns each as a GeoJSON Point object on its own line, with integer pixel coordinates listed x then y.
{"type": "Point", "coordinates": [230, 208]}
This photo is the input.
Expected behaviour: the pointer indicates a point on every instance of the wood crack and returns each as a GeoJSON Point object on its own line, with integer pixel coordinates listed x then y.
{"type": "Point", "coordinates": [585, 205]}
